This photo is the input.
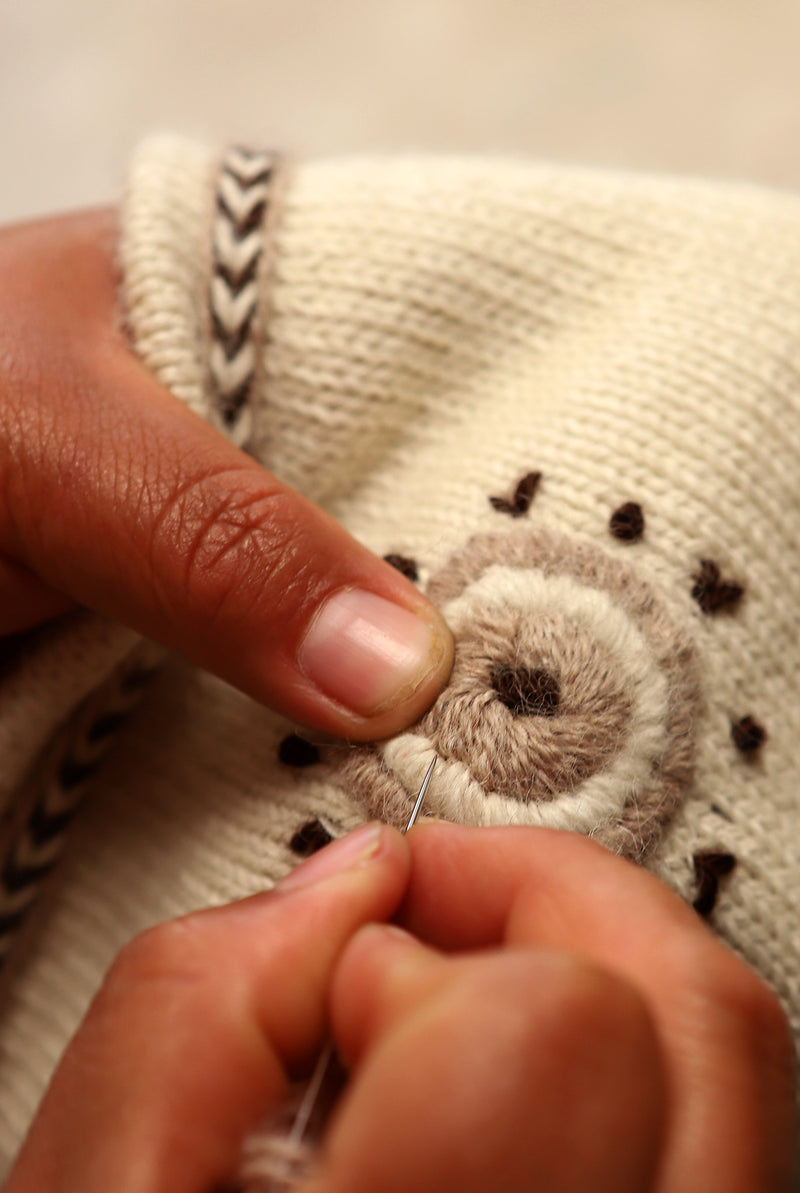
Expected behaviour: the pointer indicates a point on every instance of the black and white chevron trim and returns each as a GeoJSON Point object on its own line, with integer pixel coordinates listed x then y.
{"type": "Point", "coordinates": [37, 844]}
{"type": "Point", "coordinates": [243, 189]}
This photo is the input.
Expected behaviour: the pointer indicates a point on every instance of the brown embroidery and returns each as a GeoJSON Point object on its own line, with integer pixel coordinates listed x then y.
{"type": "Point", "coordinates": [569, 733]}
{"type": "Point", "coordinates": [710, 867]}
{"type": "Point", "coordinates": [403, 564]}
{"type": "Point", "coordinates": [526, 693]}
{"type": "Point", "coordinates": [711, 592]}
{"type": "Point", "coordinates": [524, 494]}
{"type": "Point", "coordinates": [312, 837]}
{"type": "Point", "coordinates": [748, 734]}
{"type": "Point", "coordinates": [627, 522]}
{"type": "Point", "coordinates": [296, 751]}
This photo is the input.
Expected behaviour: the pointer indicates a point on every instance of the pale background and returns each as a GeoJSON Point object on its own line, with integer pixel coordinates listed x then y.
{"type": "Point", "coordinates": [707, 86]}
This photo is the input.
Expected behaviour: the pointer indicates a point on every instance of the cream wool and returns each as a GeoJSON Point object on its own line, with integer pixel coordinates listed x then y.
{"type": "Point", "coordinates": [415, 337]}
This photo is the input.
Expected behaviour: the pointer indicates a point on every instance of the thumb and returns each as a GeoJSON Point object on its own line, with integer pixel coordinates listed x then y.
{"type": "Point", "coordinates": [188, 1043]}
{"type": "Point", "coordinates": [113, 494]}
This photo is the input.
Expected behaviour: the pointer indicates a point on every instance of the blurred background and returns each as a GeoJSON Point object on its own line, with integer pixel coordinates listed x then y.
{"type": "Point", "coordinates": [706, 86]}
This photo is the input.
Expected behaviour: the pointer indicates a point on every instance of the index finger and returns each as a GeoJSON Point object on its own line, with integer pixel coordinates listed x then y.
{"type": "Point", "coordinates": [118, 497]}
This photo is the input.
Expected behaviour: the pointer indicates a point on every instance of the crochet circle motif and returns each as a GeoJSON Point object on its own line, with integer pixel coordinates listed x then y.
{"type": "Point", "coordinates": [572, 701]}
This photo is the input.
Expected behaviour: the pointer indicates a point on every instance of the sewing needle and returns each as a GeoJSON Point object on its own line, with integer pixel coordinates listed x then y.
{"type": "Point", "coordinates": [312, 1091]}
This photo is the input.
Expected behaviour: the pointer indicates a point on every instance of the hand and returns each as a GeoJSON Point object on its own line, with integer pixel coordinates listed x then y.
{"type": "Point", "coordinates": [569, 1025]}
{"type": "Point", "coordinates": [187, 1044]}
{"type": "Point", "coordinates": [116, 497]}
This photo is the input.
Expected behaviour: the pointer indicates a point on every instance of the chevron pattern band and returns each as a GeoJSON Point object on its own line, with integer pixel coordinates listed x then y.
{"type": "Point", "coordinates": [242, 194]}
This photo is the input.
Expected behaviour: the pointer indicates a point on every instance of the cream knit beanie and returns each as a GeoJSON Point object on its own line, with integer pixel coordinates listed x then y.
{"type": "Point", "coordinates": [568, 404]}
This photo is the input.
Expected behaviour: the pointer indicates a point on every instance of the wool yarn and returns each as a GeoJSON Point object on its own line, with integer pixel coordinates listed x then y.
{"type": "Point", "coordinates": [566, 403]}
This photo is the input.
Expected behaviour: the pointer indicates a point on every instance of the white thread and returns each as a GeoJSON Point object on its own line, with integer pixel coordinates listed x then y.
{"type": "Point", "coordinates": [240, 196]}
{"type": "Point", "coordinates": [272, 1163]}
{"type": "Point", "coordinates": [231, 309]}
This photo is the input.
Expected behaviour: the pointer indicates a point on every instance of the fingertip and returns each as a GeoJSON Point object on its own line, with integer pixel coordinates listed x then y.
{"type": "Point", "coordinates": [384, 661]}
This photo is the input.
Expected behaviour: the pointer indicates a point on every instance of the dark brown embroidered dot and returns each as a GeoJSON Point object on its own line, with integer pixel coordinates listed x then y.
{"type": "Point", "coordinates": [711, 592]}
{"type": "Point", "coordinates": [296, 751]}
{"type": "Point", "coordinates": [627, 522]}
{"type": "Point", "coordinates": [748, 734]}
{"type": "Point", "coordinates": [310, 838]}
{"type": "Point", "coordinates": [710, 867]}
{"type": "Point", "coordinates": [526, 693]}
{"type": "Point", "coordinates": [524, 494]}
{"type": "Point", "coordinates": [407, 566]}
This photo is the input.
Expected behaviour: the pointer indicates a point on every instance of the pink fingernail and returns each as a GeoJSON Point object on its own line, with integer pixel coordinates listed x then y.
{"type": "Point", "coordinates": [345, 854]}
{"type": "Point", "coordinates": [369, 653]}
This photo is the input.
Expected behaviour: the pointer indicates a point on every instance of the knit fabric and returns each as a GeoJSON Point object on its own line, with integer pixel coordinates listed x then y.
{"type": "Point", "coordinates": [410, 343]}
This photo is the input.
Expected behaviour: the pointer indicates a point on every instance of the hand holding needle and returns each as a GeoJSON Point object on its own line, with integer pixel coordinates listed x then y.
{"type": "Point", "coordinates": [274, 1164]}
{"type": "Point", "coordinates": [322, 1067]}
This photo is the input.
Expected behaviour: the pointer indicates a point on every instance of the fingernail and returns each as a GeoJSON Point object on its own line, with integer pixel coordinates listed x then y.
{"type": "Point", "coordinates": [368, 653]}
{"type": "Point", "coordinates": [346, 853]}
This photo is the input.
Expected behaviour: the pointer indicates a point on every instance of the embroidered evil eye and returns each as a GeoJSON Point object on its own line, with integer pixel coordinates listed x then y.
{"type": "Point", "coordinates": [572, 701]}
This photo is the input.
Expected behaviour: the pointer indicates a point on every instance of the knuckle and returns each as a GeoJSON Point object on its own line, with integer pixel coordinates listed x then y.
{"type": "Point", "coordinates": [730, 988]}
{"type": "Point", "coordinates": [167, 954]}
{"type": "Point", "coordinates": [595, 1006]}
{"type": "Point", "coordinates": [580, 1007]}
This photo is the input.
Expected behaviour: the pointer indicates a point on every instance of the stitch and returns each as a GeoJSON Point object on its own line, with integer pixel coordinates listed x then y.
{"type": "Point", "coordinates": [232, 340]}
{"type": "Point", "coordinates": [525, 692]}
{"type": "Point", "coordinates": [710, 867]}
{"type": "Point", "coordinates": [309, 838]}
{"type": "Point", "coordinates": [45, 823]}
{"type": "Point", "coordinates": [748, 734]}
{"type": "Point", "coordinates": [234, 279]}
{"type": "Point", "coordinates": [403, 564]}
{"type": "Point", "coordinates": [627, 522]}
{"type": "Point", "coordinates": [36, 844]}
{"type": "Point", "coordinates": [711, 592]}
{"type": "Point", "coordinates": [242, 194]}
{"type": "Point", "coordinates": [296, 751]}
{"type": "Point", "coordinates": [615, 760]}
{"type": "Point", "coordinates": [524, 493]}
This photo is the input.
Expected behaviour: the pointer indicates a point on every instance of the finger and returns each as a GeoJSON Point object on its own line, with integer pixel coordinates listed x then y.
{"type": "Point", "coordinates": [722, 1031]}
{"type": "Point", "coordinates": [116, 495]}
{"type": "Point", "coordinates": [507, 1071]}
{"type": "Point", "coordinates": [187, 1044]}
{"type": "Point", "coordinates": [24, 600]}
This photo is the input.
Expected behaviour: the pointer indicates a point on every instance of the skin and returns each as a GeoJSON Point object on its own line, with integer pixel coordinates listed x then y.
{"type": "Point", "coordinates": [621, 1047]}
{"type": "Point", "coordinates": [115, 497]}
{"type": "Point", "coordinates": [548, 1017]}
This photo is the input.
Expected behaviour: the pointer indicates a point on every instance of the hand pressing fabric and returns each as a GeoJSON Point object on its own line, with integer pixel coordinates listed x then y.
{"type": "Point", "coordinates": [114, 496]}
{"type": "Point", "coordinates": [549, 1018]}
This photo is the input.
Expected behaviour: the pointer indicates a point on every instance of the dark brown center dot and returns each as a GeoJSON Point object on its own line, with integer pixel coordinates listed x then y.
{"type": "Point", "coordinates": [526, 692]}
